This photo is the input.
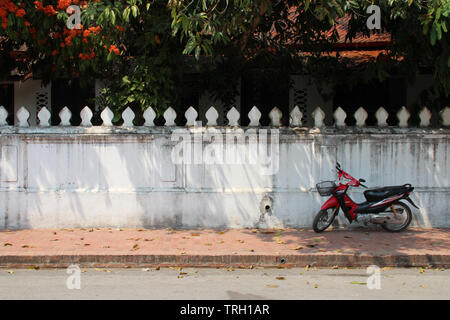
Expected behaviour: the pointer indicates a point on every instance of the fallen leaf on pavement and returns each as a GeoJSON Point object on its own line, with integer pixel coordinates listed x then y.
{"type": "Point", "coordinates": [10, 271]}
{"type": "Point", "coordinates": [157, 268]}
{"type": "Point", "coordinates": [297, 248]}
{"type": "Point", "coordinates": [335, 267]}
{"type": "Point", "coordinates": [195, 234]}
{"type": "Point", "coordinates": [322, 250]}
{"type": "Point", "coordinates": [316, 286]}
{"type": "Point", "coordinates": [208, 244]}
{"type": "Point", "coordinates": [7, 244]}
{"type": "Point", "coordinates": [272, 286]}
{"type": "Point", "coordinates": [135, 247]}
{"type": "Point", "coordinates": [357, 282]}
{"type": "Point", "coordinates": [280, 278]}
{"type": "Point", "coordinates": [421, 270]}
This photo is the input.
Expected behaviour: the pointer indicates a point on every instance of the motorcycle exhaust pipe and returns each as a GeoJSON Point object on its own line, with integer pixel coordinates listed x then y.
{"type": "Point", "coordinates": [385, 218]}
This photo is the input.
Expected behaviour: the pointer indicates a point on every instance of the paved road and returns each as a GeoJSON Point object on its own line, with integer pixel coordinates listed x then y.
{"type": "Point", "coordinates": [257, 283]}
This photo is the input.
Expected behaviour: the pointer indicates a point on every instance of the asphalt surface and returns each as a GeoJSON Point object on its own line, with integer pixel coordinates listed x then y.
{"type": "Point", "coordinates": [234, 284]}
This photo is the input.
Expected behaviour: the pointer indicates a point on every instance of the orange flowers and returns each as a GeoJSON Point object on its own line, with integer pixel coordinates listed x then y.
{"type": "Point", "coordinates": [87, 56]}
{"type": "Point", "coordinates": [63, 4]}
{"type": "Point", "coordinates": [20, 13]}
{"type": "Point", "coordinates": [114, 49]}
{"type": "Point", "coordinates": [48, 10]}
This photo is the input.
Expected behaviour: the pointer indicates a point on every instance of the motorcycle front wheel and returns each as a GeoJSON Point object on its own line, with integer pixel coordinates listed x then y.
{"type": "Point", "coordinates": [324, 219]}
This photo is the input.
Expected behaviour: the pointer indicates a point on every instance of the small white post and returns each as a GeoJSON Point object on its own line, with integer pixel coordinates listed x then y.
{"type": "Point", "coordinates": [319, 117]}
{"type": "Point", "coordinates": [425, 117]}
{"type": "Point", "coordinates": [361, 117]}
{"type": "Point", "coordinates": [233, 117]}
{"type": "Point", "coordinates": [339, 116]}
{"type": "Point", "coordinates": [86, 117]}
{"type": "Point", "coordinates": [275, 116]}
{"type": "Point", "coordinates": [296, 116]}
{"type": "Point", "coordinates": [191, 116]}
{"type": "Point", "coordinates": [107, 116]}
{"type": "Point", "coordinates": [382, 115]}
{"type": "Point", "coordinates": [403, 116]}
{"type": "Point", "coordinates": [212, 115]}
{"type": "Point", "coordinates": [128, 117]}
{"type": "Point", "coordinates": [3, 116]}
{"type": "Point", "coordinates": [44, 117]}
{"type": "Point", "coordinates": [254, 115]}
{"type": "Point", "coordinates": [445, 115]}
{"type": "Point", "coordinates": [22, 116]}
{"type": "Point", "coordinates": [149, 116]}
{"type": "Point", "coordinates": [170, 115]}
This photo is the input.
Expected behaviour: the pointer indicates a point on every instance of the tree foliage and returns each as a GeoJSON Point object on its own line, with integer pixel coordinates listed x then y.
{"type": "Point", "coordinates": [145, 48]}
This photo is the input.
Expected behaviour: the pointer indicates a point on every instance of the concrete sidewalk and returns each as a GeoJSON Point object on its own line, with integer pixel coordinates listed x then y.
{"type": "Point", "coordinates": [245, 248]}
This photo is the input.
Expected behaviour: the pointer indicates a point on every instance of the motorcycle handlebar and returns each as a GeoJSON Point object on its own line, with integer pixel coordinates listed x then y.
{"type": "Point", "coordinates": [364, 186]}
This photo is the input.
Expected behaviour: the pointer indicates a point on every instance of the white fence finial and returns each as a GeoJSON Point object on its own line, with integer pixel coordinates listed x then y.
{"type": "Point", "coordinates": [319, 117]}
{"type": "Point", "coordinates": [3, 116]}
{"type": "Point", "coordinates": [128, 117]}
{"type": "Point", "coordinates": [22, 116]}
{"type": "Point", "coordinates": [382, 117]}
{"type": "Point", "coordinates": [44, 117]}
{"type": "Point", "coordinates": [360, 117]}
{"type": "Point", "coordinates": [296, 116]}
{"type": "Point", "coordinates": [191, 116]}
{"type": "Point", "coordinates": [339, 116]}
{"type": "Point", "coordinates": [233, 117]}
{"type": "Point", "coordinates": [86, 117]}
{"type": "Point", "coordinates": [107, 116]}
{"type": "Point", "coordinates": [445, 115]}
{"type": "Point", "coordinates": [149, 116]}
{"type": "Point", "coordinates": [65, 115]}
{"type": "Point", "coordinates": [170, 115]}
{"type": "Point", "coordinates": [403, 116]}
{"type": "Point", "coordinates": [212, 115]}
{"type": "Point", "coordinates": [425, 117]}
{"type": "Point", "coordinates": [254, 115]}
{"type": "Point", "coordinates": [275, 116]}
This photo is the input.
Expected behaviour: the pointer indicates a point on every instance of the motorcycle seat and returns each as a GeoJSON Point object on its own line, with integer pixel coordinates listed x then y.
{"type": "Point", "coordinates": [385, 192]}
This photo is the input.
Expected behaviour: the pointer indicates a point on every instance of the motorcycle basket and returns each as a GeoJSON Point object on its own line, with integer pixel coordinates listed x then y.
{"type": "Point", "coordinates": [326, 188]}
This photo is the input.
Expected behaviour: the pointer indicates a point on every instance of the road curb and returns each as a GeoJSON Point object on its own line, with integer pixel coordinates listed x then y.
{"type": "Point", "coordinates": [233, 260]}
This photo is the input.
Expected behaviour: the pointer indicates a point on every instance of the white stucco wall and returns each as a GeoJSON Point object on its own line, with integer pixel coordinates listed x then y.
{"type": "Point", "coordinates": [116, 177]}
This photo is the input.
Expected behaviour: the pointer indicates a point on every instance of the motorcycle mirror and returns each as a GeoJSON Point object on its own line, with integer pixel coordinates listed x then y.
{"type": "Point", "coordinates": [362, 180]}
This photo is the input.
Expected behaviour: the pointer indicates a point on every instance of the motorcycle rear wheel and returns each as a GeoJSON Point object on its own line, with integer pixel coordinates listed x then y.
{"type": "Point", "coordinates": [408, 218]}
{"type": "Point", "coordinates": [324, 219]}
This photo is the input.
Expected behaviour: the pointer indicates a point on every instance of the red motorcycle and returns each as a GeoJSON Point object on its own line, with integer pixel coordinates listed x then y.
{"type": "Point", "coordinates": [383, 205]}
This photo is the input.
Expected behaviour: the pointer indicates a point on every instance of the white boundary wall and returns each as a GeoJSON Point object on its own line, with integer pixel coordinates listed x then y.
{"type": "Point", "coordinates": [56, 177]}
